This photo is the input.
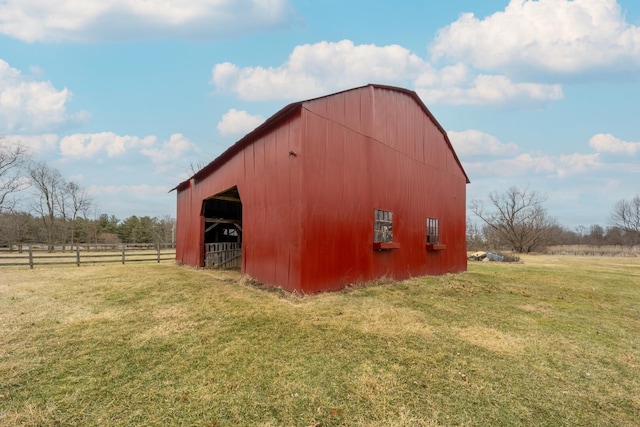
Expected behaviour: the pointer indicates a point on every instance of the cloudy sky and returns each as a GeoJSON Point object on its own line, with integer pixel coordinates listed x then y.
{"type": "Point", "coordinates": [123, 96]}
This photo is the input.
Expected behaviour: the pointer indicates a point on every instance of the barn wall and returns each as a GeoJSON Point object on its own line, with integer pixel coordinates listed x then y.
{"type": "Point", "coordinates": [266, 175]}
{"type": "Point", "coordinates": [368, 149]}
{"type": "Point", "coordinates": [309, 186]}
{"type": "Point", "coordinates": [187, 226]}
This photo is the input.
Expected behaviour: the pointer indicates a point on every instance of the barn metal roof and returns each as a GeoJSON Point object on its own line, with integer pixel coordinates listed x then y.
{"type": "Point", "coordinates": [289, 111]}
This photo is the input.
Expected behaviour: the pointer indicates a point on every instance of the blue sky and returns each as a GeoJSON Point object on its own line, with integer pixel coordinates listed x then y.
{"type": "Point", "coordinates": [123, 96]}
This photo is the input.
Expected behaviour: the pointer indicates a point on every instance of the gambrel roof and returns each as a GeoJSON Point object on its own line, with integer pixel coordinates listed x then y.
{"type": "Point", "coordinates": [292, 109]}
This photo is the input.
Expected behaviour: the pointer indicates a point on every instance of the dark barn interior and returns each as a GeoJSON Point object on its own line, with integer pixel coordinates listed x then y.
{"type": "Point", "coordinates": [223, 217]}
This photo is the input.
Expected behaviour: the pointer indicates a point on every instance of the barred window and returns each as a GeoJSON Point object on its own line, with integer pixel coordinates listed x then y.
{"type": "Point", "coordinates": [433, 231]}
{"type": "Point", "coordinates": [383, 226]}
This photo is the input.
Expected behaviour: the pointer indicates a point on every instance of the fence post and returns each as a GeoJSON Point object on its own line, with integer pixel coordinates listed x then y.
{"type": "Point", "coordinates": [123, 254]}
{"type": "Point", "coordinates": [158, 246]}
{"type": "Point", "coordinates": [30, 256]}
{"type": "Point", "coordinates": [78, 254]}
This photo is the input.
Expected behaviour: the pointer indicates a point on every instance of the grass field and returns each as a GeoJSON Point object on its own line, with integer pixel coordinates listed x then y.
{"type": "Point", "coordinates": [550, 341]}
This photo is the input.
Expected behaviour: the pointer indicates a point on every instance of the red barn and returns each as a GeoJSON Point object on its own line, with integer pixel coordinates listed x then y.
{"type": "Point", "coordinates": [332, 191]}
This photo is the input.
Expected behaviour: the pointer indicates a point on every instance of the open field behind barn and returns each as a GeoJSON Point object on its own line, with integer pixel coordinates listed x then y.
{"type": "Point", "coordinates": [550, 341]}
{"type": "Point", "coordinates": [594, 250]}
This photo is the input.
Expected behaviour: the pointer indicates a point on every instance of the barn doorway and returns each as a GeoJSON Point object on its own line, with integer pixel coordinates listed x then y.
{"type": "Point", "coordinates": [223, 230]}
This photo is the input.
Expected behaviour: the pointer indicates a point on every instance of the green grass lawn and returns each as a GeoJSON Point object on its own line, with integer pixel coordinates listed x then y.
{"type": "Point", "coordinates": [551, 341]}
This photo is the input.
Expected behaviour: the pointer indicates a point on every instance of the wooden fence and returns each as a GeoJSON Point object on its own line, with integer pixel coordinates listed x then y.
{"type": "Point", "coordinates": [41, 254]}
{"type": "Point", "coordinates": [223, 255]}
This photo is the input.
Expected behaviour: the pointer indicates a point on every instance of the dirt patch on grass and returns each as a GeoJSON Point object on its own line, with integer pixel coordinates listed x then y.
{"type": "Point", "coordinates": [539, 308]}
{"type": "Point", "coordinates": [76, 315]}
{"type": "Point", "coordinates": [379, 319]}
{"type": "Point", "coordinates": [492, 339]}
{"type": "Point", "coordinates": [170, 312]}
{"type": "Point", "coordinates": [168, 321]}
{"type": "Point", "coordinates": [166, 329]}
{"type": "Point", "coordinates": [390, 321]}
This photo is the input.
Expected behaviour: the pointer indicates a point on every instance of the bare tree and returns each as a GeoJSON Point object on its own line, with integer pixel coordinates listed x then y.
{"type": "Point", "coordinates": [79, 202]}
{"type": "Point", "coordinates": [626, 216]}
{"type": "Point", "coordinates": [13, 158]}
{"type": "Point", "coordinates": [17, 229]}
{"type": "Point", "coordinates": [164, 229]}
{"type": "Point", "coordinates": [194, 167]}
{"type": "Point", "coordinates": [71, 201]}
{"type": "Point", "coordinates": [581, 232]}
{"type": "Point", "coordinates": [49, 186]}
{"type": "Point", "coordinates": [475, 238]}
{"type": "Point", "coordinates": [518, 217]}
{"type": "Point", "coordinates": [58, 202]}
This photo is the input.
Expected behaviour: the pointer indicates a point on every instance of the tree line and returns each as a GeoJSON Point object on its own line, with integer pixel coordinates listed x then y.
{"type": "Point", "coordinates": [517, 220]}
{"type": "Point", "coordinates": [38, 205]}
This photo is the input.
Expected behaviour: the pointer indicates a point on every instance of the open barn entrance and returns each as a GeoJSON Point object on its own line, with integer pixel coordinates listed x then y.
{"type": "Point", "coordinates": [223, 230]}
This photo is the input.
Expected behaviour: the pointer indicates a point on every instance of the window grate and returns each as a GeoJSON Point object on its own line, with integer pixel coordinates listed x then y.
{"type": "Point", "coordinates": [433, 231]}
{"type": "Point", "coordinates": [383, 226]}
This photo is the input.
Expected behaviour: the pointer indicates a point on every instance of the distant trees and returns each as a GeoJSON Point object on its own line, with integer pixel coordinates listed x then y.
{"type": "Point", "coordinates": [136, 230]}
{"type": "Point", "coordinates": [19, 228]}
{"type": "Point", "coordinates": [517, 219]}
{"type": "Point", "coordinates": [57, 202]}
{"type": "Point", "coordinates": [13, 160]}
{"type": "Point", "coordinates": [626, 216]}
{"type": "Point", "coordinates": [146, 230]}
{"type": "Point", "coordinates": [74, 201]}
{"type": "Point", "coordinates": [56, 211]}
{"type": "Point", "coordinates": [106, 229]}
{"type": "Point", "coordinates": [48, 184]}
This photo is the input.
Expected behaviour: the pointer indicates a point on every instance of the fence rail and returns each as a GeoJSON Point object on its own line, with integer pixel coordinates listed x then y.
{"type": "Point", "coordinates": [38, 254]}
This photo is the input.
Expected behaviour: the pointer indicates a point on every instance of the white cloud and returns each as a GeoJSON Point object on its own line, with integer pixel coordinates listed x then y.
{"type": "Point", "coordinates": [31, 106]}
{"type": "Point", "coordinates": [97, 20]}
{"type": "Point", "coordinates": [607, 143]}
{"type": "Point", "coordinates": [35, 143]}
{"type": "Point", "coordinates": [170, 150]}
{"type": "Point", "coordinates": [133, 199]}
{"type": "Point", "coordinates": [554, 36]}
{"type": "Point", "coordinates": [108, 145]}
{"type": "Point", "coordinates": [317, 69]}
{"type": "Point", "coordinates": [78, 179]}
{"type": "Point", "coordinates": [476, 143]}
{"type": "Point", "coordinates": [491, 90]}
{"type": "Point", "coordinates": [238, 122]}
{"type": "Point", "coordinates": [139, 190]}
{"type": "Point", "coordinates": [527, 164]}
{"type": "Point", "coordinates": [91, 145]}
{"type": "Point", "coordinates": [570, 164]}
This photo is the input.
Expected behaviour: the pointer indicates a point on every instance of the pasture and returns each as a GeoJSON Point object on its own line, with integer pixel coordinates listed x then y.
{"type": "Point", "coordinates": [549, 341]}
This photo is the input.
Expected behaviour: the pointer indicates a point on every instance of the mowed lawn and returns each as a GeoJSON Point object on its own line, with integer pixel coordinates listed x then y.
{"type": "Point", "coordinates": [550, 341]}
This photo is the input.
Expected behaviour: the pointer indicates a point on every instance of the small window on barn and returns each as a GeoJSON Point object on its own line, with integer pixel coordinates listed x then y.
{"type": "Point", "coordinates": [433, 231]}
{"type": "Point", "coordinates": [383, 226]}
{"type": "Point", "coordinates": [433, 235]}
{"type": "Point", "coordinates": [383, 230]}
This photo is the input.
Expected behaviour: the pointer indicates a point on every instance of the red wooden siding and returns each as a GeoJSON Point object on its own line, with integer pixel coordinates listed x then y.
{"type": "Point", "coordinates": [311, 180]}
